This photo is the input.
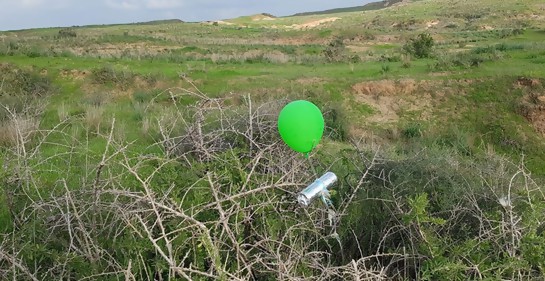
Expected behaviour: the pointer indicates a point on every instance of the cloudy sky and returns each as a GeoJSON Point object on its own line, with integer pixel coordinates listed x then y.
{"type": "Point", "coordinates": [21, 14]}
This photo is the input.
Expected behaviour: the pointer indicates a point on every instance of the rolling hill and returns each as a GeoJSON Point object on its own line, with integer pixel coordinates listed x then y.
{"type": "Point", "coordinates": [367, 7]}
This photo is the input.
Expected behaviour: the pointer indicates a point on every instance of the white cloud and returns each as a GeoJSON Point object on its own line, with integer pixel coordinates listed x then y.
{"type": "Point", "coordinates": [138, 4]}
{"type": "Point", "coordinates": [124, 4]}
{"type": "Point", "coordinates": [164, 4]}
{"type": "Point", "coordinates": [31, 3]}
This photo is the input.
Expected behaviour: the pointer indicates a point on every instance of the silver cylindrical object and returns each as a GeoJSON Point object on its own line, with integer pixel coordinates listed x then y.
{"type": "Point", "coordinates": [316, 189]}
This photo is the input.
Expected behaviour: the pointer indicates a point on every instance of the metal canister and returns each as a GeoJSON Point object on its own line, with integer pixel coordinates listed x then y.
{"type": "Point", "coordinates": [317, 189]}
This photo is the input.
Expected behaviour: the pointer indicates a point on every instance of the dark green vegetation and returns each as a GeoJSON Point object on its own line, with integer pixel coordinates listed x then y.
{"type": "Point", "coordinates": [367, 7]}
{"type": "Point", "coordinates": [150, 151]}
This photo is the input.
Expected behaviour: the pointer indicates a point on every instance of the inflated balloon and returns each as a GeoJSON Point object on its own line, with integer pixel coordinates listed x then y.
{"type": "Point", "coordinates": [301, 125]}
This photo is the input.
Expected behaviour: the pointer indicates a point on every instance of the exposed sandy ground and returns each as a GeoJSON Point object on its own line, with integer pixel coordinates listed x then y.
{"type": "Point", "coordinates": [225, 22]}
{"type": "Point", "coordinates": [261, 17]}
{"type": "Point", "coordinates": [527, 82]}
{"type": "Point", "coordinates": [313, 24]}
{"type": "Point", "coordinates": [117, 49]}
{"type": "Point", "coordinates": [431, 24]}
{"type": "Point", "coordinates": [217, 22]}
{"type": "Point", "coordinates": [358, 49]}
{"type": "Point", "coordinates": [402, 3]}
{"type": "Point", "coordinates": [390, 98]}
{"type": "Point", "coordinates": [75, 74]}
{"type": "Point", "coordinates": [533, 105]}
{"type": "Point", "coordinates": [310, 80]}
{"type": "Point", "coordinates": [386, 38]}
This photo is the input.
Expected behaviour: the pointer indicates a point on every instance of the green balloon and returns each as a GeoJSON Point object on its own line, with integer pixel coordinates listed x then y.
{"type": "Point", "coordinates": [301, 125]}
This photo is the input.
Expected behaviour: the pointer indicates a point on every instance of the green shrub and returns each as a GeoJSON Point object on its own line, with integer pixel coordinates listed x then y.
{"type": "Point", "coordinates": [493, 49]}
{"type": "Point", "coordinates": [420, 46]}
{"type": "Point", "coordinates": [337, 123]}
{"type": "Point", "coordinates": [439, 203]}
{"type": "Point", "coordinates": [465, 60]}
{"type": "Point", "coordinates": [141, 96]}
{"type": "Point", "coordinates": [107, 75]}
{"type": "Point", "coordinates": [413, 130]}
{"type": "Point", "coordinates": [390, 58]}
{"type": "Point", "coordinates": [384, 69]}
{"type": "Point", "coordinates": [17, 81]}
{"type": "Point", "coordinates": [335, 50]}
{"type": "Point", "coordinates": [67, 33]}
{"type": "Point", "coordinates": [33, 53]}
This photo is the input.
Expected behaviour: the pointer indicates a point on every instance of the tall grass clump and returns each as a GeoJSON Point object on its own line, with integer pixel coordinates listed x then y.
{"type": "Point", "coordinates": [107, 75]}
{"type": "Point", "coordinates": [94, 117]}
{"type": "Point", "coordinates": [465, 60]}
{"type": "Point", "coordinates": [16, 129]}
{"type": "Point", "coordinates": [23, 96]}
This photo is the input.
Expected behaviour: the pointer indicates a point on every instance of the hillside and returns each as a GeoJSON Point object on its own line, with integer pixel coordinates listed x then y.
{"type": "Point", "coordinates": [366, 7]}
{"type": "Point", "coordinates": [152, 151]}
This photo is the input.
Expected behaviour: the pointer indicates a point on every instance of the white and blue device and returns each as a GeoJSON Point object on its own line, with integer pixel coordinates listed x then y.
{"type": "Point", "coordinates": [319, 188]}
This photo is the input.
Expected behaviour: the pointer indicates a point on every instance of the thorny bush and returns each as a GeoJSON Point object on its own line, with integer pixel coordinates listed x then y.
{"type": "Point", "coordinates": [214, 199]}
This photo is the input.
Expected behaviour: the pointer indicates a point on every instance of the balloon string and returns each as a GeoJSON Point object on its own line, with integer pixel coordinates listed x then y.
{"type": "Point", "coordinates": [307, 155]}
{"type": "Point", "coordinates": [312, 166]}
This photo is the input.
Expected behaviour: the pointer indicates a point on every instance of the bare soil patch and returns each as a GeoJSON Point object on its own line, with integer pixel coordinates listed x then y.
{"type": "Point", "coordinates": [536, 115]}
{"type": "Point", "coordinates": [386, 38]}
{"type": "Point", "coordinates": [261, 17]}
{"type": "Point", "coordinates": [392, 98]}
{"type": "Point", "coordinates": [313, 24]}
{"type": "Point", "coordinates": [532, 106]}
{"type": "Point", "coordinates": [358, 49]}
{"type": "Point", "coordinates": [431, 24]}
{"type": "Point", "coordinates": [118, 49]}
{"type": "Point", "coordinates": [527, 82]}
{"type": "Point", "coordinates": [74, 74]}
{"type": "Point", "coordinates": [310, 80]}
{"type": "Point", "coordinates": [402, 3]}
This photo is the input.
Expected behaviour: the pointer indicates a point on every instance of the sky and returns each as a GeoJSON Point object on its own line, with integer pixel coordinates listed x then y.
{"type": "Point", "coordinates": [22, 14]}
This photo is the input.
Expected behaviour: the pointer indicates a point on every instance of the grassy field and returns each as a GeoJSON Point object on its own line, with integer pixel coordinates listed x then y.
{"type": "Point", "coordinates": [109, 117]}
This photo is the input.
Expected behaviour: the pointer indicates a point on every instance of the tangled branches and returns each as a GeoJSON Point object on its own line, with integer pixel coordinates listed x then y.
{"type": "Point", "coordinates": [217, 202]}
{"type": "Point", "coordinates": [213, 198]}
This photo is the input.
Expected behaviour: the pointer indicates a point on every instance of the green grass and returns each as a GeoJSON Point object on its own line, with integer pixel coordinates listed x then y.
{"type": "Point", "coordinates": [458, 113]}
{"type": "Point", "coordinates": [192, 44]}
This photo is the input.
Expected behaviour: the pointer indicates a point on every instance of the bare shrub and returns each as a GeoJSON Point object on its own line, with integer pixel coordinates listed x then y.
{"type": "Point", "coordinates": [276, 57]}
{"type": "Point", "coordinates": [335, 50]}
{"type": "Point", "coordinates": [237, 220]}
{"type": "Point", "coordinates": [214, 199]}
{"type": "Point", "coordinates": [18, 129]}
{"type": "Point", "coordinates": [18, 125]}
